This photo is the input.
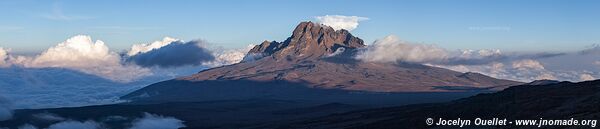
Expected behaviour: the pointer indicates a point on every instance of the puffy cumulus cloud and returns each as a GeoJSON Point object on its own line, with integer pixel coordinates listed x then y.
{"type": "Point", "coordinates": [392, 49]}
{"type": "Point", "coordinates": [174, 54]}
{"type": "Point", "coordinates": [152, 121]}
{"type": "Point", "coordinates": [227, 57]}
{"type": "Point", "coordinates": [82, 54]}
{"type": "Point", "coordinates": [338, 22]}
{"type": "Point", "coordinates": [71, 73]}
{"type": "Point", "coordinates": [142, 48]}
{"type": "Point", "coordinates": [4, 57]}
{"type": "Point", "coordinates": [527, 64]}
{"type": "Point", "coordinates": [586, 77]}
{"type": "Point", "coordinates": [147, 121]}
{"type": "Point", "coordinates": [70, 124]}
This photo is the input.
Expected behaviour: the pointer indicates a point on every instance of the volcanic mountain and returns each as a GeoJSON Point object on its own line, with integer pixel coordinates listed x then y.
{"type": "Point", "coordinates": [318, 57]}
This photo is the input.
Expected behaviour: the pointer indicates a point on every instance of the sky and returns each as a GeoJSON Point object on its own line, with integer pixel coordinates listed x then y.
{"type": "Point", "coordinates": [60, 53]}
{"type": "Point", "coordinates": [510, 25]}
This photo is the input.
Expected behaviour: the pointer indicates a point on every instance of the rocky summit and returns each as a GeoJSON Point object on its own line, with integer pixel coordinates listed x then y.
{"type": "Point", "coordinates": [321, 57]}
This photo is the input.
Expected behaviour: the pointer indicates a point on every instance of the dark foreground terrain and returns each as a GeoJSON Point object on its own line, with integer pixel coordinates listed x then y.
{"type": "Point", "coordinates": [562, 100]}
{"type": "Point", "coordinates": [243, 111]}
{"type": "Point", "coordinates": [548, 100]}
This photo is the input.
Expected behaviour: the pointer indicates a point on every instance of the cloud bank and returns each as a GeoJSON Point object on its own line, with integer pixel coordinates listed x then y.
{"type": "Point", "coordinates": [70, 124]}
{"type": "Point", "coordinates": [148, 121]}
{"type": "Point", "coordinates": [392, 49]}
{"type": "Point", "coordinates": [174, 54]}
{"type": "Point", "coordinates": [82, 54]}
{"type": "Point", "coordinates": [227, 57]}
{"type": "Point", "coordinates": [143, 48]}
{"type": "Point", "coordinates": [61, 87]}
{"type": "Point", "coordinates": [73, 72]}
{"type": "Point", "coordinates": [338, 22]}
{"type": "Point", "coordinates": [514, 66]}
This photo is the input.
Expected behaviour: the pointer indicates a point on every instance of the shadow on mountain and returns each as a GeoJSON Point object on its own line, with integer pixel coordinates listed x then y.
{"type": "Point", "coordinates": [563, 101]}
{"type": "Point", "coordinates": [214, 90]}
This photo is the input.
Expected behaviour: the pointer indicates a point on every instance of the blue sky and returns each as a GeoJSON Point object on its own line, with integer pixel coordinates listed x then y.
{"type": "Point", "coordinates": [520, 25]}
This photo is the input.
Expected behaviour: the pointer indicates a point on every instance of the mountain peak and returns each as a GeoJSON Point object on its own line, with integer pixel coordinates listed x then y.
{"type": "Point", "coordinates": [309, 41]}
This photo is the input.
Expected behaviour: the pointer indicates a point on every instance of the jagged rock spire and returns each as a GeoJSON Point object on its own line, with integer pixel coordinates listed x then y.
{"type": "Point", "coordinates": [308, 41]}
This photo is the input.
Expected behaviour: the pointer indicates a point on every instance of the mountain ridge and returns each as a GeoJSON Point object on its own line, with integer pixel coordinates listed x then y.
{"type": "Point", "coordinates": [324, 57]}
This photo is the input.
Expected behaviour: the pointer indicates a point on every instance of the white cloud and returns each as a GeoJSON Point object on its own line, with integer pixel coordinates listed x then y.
{"type": "Point", "coordinates": [545, 76]}
{"type": "Point", "coordinates": [514, 66]}
{"type": "Point", "coordinates": [337, 51]}
{"type": "Point", "coordinates": [586, 77]}
{"type": "Point", "coordinates": [75, 125]}
{"type": "Point", "coordinates": [523, 70]}
{"type": "Point", "coordinates": [82, 54]}
{"type": "Point", "coordinates": [527, 64]}
{"type": "Point", "coordinates": [148, 121]}
{"type": "Point", "coordinates": [227, 57]}
{"type": "Point", "coordinates": [4, 57]}
{"type": "Point", "coordinates": [152, 121]}
{"type": "Point", "coordinates": [338, 22]}
{"type": "Point", "coordinates": [483, 53]}
{"type": "Point", "coordinates": [72, 72]}
{"type": "Point", "coordinates": [392, 49]}
{"type": "Point", "coordinates": [143, 48]}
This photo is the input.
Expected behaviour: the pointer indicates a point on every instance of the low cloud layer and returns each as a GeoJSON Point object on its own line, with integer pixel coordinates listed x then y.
{"type": "Point", "coordinates": [338, 22]}
{"type": "Point", "coordinates": [5, 109]}
{"type": "Point", "coordinates": [227, 57]}
{"type": "Point", "coordinates": [392, 49]}
{"type": "Point", "coordinates": [174, 54]}
{"type": "Point", "coordinates": [70, 124]}
{"type": "Point", "coordinates": [80, 71]}
{"type": "Point", "coordinates": [152, 121]}
{"type": "Point", "coordinates": [60, 87]}
{"type": "Point", "coordinates": [148, 121]}
{"type": "Point", "coordinates": [515, 66]}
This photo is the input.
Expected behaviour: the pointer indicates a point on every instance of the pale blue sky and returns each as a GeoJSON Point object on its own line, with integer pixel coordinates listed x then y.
{"type": "Point", "coordinates": [510, 25]}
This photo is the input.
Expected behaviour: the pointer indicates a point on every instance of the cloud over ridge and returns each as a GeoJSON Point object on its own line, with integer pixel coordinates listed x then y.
{"type": "Point", "coordinates": [173, 54]}
{"type": "Point", "coordinates": [338, 22]}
